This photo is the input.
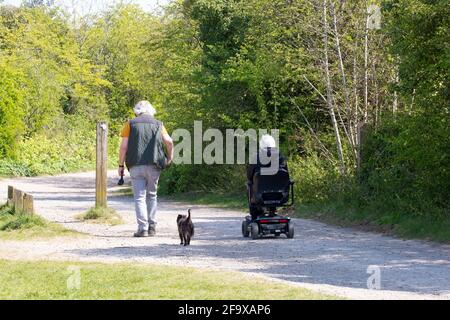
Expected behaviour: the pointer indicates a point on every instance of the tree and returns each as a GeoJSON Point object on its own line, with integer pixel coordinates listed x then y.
{"type": "Point", "coordinates": [117, 42]}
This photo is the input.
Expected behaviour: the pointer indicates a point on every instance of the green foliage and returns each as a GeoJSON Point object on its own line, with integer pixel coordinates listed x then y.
{"type": "Point", "coordinates": [11, 110]}
{"type": "Point", "coordinates": [10, 167]}
{"type": "Point", "coordinates": [39, 45]}
{"type": "Point", "coordinates": [406, 166]}
{"type": "Point", "coordinates": [43, 79]}
{"type": "Point", "coordinates": [313, 179]}
{"type": "Point", "coordinates": [420, 30]}
{"type": "Point", "coordinates": [117, 42]}
{"type": "Point", "coordinates": [216, 178]}
{"type": "Point", "coordinates": [63, 147]}
{"type": "Point", "coordinates": [229, 200]}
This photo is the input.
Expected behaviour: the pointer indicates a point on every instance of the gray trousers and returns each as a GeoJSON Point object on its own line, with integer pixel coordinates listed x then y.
{"type": "Point", "coordinates": [144, 180]}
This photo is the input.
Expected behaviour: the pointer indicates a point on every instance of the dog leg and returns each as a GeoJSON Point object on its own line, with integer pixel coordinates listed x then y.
{"type": "Point", "coordinates": [188, 239]}
{"type": "Point", "coordinates": [181, 237]}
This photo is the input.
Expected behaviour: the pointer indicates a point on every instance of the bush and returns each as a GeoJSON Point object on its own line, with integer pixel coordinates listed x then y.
{"type": "Point", "coordinates": [313, 178]}
{"type": "Point", "coordinates": [206, 178]}
{"type": "Point", "coordinates": [11, 109]}
{"type": "Point", "coordinates": [10, 167]}
{"type": "Point", "coordinates": [68, 147]}
{"type": "Point", "coordinates": [406, 166]}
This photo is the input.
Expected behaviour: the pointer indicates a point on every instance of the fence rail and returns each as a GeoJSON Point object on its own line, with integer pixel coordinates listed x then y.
{"type": "Point", "coordinates": [21, 201]}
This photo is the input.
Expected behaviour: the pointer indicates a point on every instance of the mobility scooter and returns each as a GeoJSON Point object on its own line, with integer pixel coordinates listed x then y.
{"type": "Point", "coordinates": [267, 193]}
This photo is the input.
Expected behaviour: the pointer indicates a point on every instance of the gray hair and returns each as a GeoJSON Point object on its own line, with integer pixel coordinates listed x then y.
{"type": "Point", "coordinates": [144, 107]}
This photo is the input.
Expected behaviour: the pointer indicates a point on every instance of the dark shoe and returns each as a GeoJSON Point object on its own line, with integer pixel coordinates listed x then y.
{"type": "Point", "coordinates": [151, 230]}
{"type": "Point", "coordinates": [141, 234]}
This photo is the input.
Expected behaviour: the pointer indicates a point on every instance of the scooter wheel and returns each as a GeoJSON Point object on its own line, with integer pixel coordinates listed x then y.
{"type": "Point", "coordinates": [290, 233]}
{"type": "Point", "coordinates": [255, 230]}
{"type": "Point", "coordinates": [245, 231]}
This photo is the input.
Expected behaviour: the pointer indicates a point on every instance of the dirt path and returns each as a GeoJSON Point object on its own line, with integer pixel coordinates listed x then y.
{"type": "Point", "coordinates": [321, 257]}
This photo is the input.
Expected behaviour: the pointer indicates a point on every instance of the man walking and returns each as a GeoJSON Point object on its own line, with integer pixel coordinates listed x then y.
{"type": "Point", "coordinates": [143, 153]}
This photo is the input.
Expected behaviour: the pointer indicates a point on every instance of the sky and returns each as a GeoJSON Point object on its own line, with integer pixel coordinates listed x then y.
{"type": "Point", "coordinates": [83, 7]}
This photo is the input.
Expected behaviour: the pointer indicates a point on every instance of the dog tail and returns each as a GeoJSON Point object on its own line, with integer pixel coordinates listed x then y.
{"type": "Point", "coordinates": [189, 214]}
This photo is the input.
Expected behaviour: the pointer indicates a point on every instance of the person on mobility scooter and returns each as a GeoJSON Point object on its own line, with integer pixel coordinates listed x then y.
{"type": "Point", "coordinates": [268, 187]}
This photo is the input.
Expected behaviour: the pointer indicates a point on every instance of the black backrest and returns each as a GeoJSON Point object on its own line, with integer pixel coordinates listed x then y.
{"type": "Point", "coordinates": [271, 190]}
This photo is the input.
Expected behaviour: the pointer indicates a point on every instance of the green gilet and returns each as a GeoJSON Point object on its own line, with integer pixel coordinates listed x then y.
{"type": "Point", "coordinates": [145, 146]}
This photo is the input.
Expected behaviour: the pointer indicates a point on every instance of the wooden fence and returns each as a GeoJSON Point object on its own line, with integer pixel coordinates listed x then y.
{"type": "Point", "coordinates": [21, 201]}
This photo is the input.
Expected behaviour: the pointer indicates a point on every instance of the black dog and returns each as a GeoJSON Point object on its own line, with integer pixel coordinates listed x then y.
{"type": "Point", "coordinates": [185, 228]}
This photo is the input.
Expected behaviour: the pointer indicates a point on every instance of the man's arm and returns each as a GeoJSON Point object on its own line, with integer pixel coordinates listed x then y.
{"type": "Point", "coordinates": [169, 146]}
{"type": "Point", "coordinates": [122, 154]}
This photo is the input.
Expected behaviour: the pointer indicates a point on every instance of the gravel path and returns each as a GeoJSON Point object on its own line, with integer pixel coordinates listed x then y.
{"type": "Point", "coordinates": [324, 258]}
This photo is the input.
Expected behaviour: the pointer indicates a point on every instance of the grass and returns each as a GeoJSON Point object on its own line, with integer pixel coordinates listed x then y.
{"type": "Point", "coordinates": [123, 191]}
{"type": "Point", "coordinates": [18, 226]}
{"type": "Point", "coordinates": [49, 280]}
{"type": "Point", "coordinates": [101, 215]}
{"type": "Point", "coordinates": [220, 200]}
{"type": "Point", "coordinates": [400, 225]}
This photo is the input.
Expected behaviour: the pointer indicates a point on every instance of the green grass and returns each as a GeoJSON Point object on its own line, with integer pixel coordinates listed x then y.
{"type": "Point", "coordinates": [123, 191]}
{"type": "Point", "coordinates": [400, 225]}
{"type": "Point", "coordinates": [18, 226]}
{"type": "Point", "coordinates": [220, 200]}
{"type": "Point", "coordinates": [48, 280]}
{"type": "Point", "coordinates": [101, 215]}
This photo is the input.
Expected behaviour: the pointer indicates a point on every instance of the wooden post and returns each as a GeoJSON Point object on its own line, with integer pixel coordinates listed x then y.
{"type": "Point", "coordinates": [10, 196]}
{"type": "Point", "coordinates": [28, 206]}
{"type": "Point", "coordinates": [101, 165]}
{"type": "Point", "coordinates": [18, 200]}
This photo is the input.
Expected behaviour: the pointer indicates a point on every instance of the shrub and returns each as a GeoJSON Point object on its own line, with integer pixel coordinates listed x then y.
{"type": "Point", "coordinates": [207, 178]}
{"type": "Point", "coordinates": [406, 166]}
{"type": "Point", "coordinates": [313, 179]}
{"type": "Point", "coordinates": [10, 167]}
{"type": "Point", "coordinates": [68, 147]}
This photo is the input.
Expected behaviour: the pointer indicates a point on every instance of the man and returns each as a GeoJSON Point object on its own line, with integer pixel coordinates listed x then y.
{"type": "Point", "coordinates": [142, 151]}
{"type": "Point", "coordinates": [267, 151]}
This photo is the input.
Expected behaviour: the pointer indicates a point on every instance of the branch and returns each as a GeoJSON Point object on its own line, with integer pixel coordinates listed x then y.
{"type": "Point", "coordinates": [315, 89]}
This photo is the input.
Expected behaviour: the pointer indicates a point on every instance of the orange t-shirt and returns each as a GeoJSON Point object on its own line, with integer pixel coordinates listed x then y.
{"type": "Point", "coordinates": [125, 133]}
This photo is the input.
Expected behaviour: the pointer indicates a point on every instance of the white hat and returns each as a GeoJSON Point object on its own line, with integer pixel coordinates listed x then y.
{"type": "Point", "coordinates": [267, 141]}
{"type": "Point", "coordinates": [144, 107]}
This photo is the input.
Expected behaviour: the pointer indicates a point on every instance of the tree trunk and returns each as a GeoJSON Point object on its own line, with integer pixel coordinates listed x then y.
{"type": "Point", "coordinates": [366, 70]}
{"type": "Point", "coordinates": [330, 91]}
{"type": "Point", "coordinates": [356, 107]}
{"type": "Point", "coordinates": [345, 88]}
{"type": "Point", "coordinates": [395, 102]}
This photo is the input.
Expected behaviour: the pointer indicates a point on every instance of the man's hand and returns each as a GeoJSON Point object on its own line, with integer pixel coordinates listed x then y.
{"type": "Point", "coordinates": [169, 146]}
{"type": "Point", "coordinates": [121, 171]}
{"type": "Point", "coordinates": [122, 155]}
